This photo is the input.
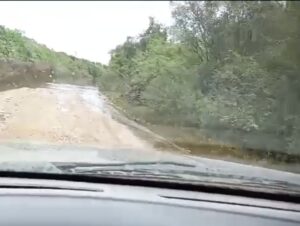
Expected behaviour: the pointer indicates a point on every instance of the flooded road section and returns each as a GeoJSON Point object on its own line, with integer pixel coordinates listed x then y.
{"type": "Point", "coordinates": [63, 114]}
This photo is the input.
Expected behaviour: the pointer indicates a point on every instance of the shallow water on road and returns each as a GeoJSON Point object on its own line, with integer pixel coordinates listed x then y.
{"type": "Point", "coordinates": [90, 94]}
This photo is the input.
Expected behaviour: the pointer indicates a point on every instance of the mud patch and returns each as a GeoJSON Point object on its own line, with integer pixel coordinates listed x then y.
{"type": "Point", "coordinates": [63, 114]}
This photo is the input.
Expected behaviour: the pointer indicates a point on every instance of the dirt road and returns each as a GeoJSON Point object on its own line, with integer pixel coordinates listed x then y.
{"type": "Point", "coordinates": [62, 114]}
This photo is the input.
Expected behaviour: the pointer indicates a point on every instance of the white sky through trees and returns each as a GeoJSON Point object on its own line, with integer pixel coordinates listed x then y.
{"type": "Point", "coordinates": [85, 29]}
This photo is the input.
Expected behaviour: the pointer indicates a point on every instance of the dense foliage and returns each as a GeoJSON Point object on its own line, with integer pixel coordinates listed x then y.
{"type": "Point", "coordinates": [223, 66]}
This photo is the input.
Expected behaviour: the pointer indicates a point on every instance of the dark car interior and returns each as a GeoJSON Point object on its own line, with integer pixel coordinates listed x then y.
{"type": "Point", "coordinates": [48, 201]}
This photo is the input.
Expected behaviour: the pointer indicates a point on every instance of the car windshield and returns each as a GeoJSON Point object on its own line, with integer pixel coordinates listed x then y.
{"type": "Point", "coordinates": [191, 91]}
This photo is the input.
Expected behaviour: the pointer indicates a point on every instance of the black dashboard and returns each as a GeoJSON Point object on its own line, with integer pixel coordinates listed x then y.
{"type": "Point", "coordinates": [49, 202]}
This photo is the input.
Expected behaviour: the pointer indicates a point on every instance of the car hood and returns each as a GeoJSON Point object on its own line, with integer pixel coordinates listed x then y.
{"type": "Point", "coordinates": [47, 158]}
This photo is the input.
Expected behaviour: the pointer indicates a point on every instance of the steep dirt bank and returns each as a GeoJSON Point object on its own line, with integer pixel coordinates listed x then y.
{"type": "Point", "coordinates": [15, 74]}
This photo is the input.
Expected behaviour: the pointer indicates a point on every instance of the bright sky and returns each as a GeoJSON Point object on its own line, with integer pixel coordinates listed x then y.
{"type": "Point", "coordinates": [84, 29]}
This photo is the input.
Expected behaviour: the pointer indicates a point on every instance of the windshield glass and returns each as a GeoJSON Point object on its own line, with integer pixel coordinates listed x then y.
{"type": "Point", "coordinates": [191, 91]}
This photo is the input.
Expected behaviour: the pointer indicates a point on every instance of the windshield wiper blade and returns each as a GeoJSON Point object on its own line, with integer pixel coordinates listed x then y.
{"type": "Point", "coordinates": [145, 174]}
{"type": "Point", "coordinates": [146, 169]}
{"type": "Point", "coordinates": [168, 170]}
{"type": "Point", "coordinates": [99, 166]}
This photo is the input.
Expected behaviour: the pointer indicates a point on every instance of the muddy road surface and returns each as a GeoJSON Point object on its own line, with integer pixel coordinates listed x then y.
{"type": "Point", "coordinates": [58, 122]}
{"type": "Point", "coordinates": [63, 114]}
